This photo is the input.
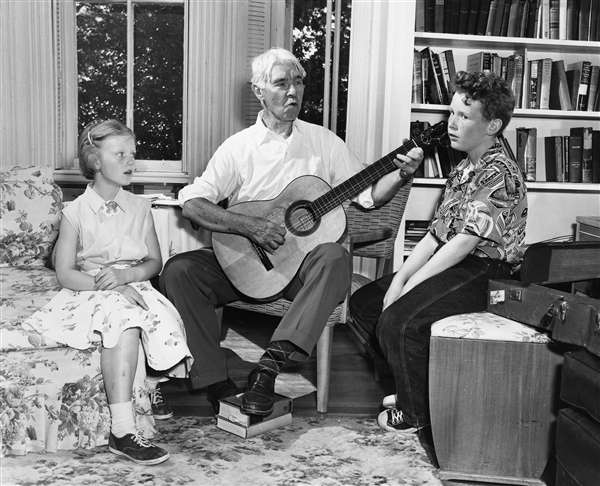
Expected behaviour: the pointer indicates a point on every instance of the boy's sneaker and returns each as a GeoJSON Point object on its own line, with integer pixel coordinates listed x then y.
{"type": "Point", "coordinates": [392, 420]}
{"type": "Point", "coordinates": [389, 401]}
{"type": "Point", "coordinates": [137, 448]}
{"type": "Point", "coordinates": [160, 408]}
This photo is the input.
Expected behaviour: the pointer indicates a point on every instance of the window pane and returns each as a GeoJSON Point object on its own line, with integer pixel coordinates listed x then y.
{"type": "Point", "coordinates": [101, 61]}
{"type": "Point", "coordinates": [158, 81]}
{"type": "Point", "coordinates": [309, 47]}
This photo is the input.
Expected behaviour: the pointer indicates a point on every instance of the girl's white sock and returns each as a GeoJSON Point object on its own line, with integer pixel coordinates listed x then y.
{"type": "Point", "coordinates": [122, 419]}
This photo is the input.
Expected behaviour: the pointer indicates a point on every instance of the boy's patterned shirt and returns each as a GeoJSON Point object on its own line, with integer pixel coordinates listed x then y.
{"type": "Point", "coordinates": [486, 199]}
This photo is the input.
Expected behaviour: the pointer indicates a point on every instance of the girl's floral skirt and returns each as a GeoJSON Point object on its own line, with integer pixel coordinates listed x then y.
{"type": "Point", "coordinates": [80, 318]}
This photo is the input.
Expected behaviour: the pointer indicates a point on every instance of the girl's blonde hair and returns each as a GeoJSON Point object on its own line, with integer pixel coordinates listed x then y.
{"type": "Point", "coordinates": [91, 138]}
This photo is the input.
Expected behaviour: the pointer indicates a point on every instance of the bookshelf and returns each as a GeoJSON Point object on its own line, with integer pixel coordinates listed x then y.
{"type": "Point", "coordinates": [553, 205]}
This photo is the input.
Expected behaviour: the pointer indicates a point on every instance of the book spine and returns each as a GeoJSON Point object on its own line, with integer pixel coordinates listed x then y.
{"type": "Point", "coordinates": [532, 97]}
{"type": "Point", "coordinates": [550, 158]}
{"type": "Point", "coordinates": [593, 90]}
{"type": "Point", "coordinates": [438, 16]}
{"type": "Point", "coordinates": [559, 154]}
{"type": "Point", "coordinates": [575, 153]}
{"type": "Point", "coordinates": [562, 19]}
{"type": "Point", "coordinates": [553, 19]}
{"type": "Point", "coordinates": [565, 157]}
{"type": "Point", "coordinates": [544, 74]}
{"type": "Point", "coordinates": [531, 155]}
{"type": "Point", "coordinates": [417, 82]}
{"type": "Point", "coordinates": [483, 13]}
{"type": "Point", "coordinates": [586, 155]}
{"type": "Point", "coordinates": [595, 156]}
{"type": "Point", "coordinates": [491, 18]}
{"type": "Point", "coordinates": [584, 84]}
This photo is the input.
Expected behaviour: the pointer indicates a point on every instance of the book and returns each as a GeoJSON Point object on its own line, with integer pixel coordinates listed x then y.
{"type": "Point", "coordinates": [472, 19]}
{"type": "Point", "coordinates": [255, 429]}
{"type": "Point", "coordinates": [449, 59]}
{"type": "Point", "coordinates": [452, 16]}
{"type": "Point", "coordinates": [578, 78]}
{"type": "Point", "coordinates": [483, 10]}
{"type": "Point", "coordinates": [575, 153]}
{"type": "Point", "coordinates": [514, 18]}
{"type": "Point", "coordinates": [585, 9]}
{"type": "Point", "coordinates": [429, 15]}
{"type": "Point", "coordinates": [532, 95]}
{"type": "Point", "coordinates": [499, 17]}
{"type": "Point", "coordinates": [566, 148]}
{"type": "Point", "coordinates": [438, 16]}
{"type": "Point", "coordinates": [230, 409]}
{"type": "Point", "coordinates": [479, 62]}
{"type": "Point", "coordinates": [532, 18]}
{"type": "Point", "coordinates": [572, 19]}
{"type": "Point", "coordinates": [562, 19]}
{"type": "Point", "coordinates": [531, 155]}
{"type": "Point", "coordinates": [550, 158]}
{"type": "Point", "coordinates": [464, 8]}
{"type": "Point", "coordinates": [586, 155]}
{"type": "Point", "coordinates": [554, 20]}
{"type": "Point", "coordinates": [561, 157]}
{"type": "Point", "coordinates": [595, 156]}
{"type": "Point", "coordinates": [526, 151]}
{"type": "Point", "coordinates": [420, 17]}
{"type": "Point", "coordinates": [524, 18]}
{"type": "Point", "coordinates": [560, 97]}
{"type": "Point", "coordinates": [544, 79]}
{"type": "Point", "coordinates": [433, 89]}
{"type": "Point", "coordinates": [417, 79]}
{"type": "Point", "coordinates": [492, 16]}
{"type": "Point", "coordinates": [505, 18]}
{"type": "Point", "coordinates": [593, 89]}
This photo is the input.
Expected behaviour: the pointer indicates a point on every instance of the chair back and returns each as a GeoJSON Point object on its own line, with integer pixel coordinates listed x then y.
{"type": "Point", "coordinates": [387, 216]}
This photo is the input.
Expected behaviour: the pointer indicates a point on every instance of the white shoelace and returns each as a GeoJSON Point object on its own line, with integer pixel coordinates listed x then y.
{"type": "Point", "coordinates": [140, 440]}
{"type": "Point", "coordinates": [156, 397]}
{"type": "Point", "coordinates": [396, 417]}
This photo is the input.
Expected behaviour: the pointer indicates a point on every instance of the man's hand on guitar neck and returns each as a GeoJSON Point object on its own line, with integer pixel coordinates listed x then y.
{"type": "Point", "coordinates": [384, 189]}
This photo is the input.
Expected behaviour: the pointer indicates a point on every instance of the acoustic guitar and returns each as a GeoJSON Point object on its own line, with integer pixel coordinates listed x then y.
{"type": "Point", "coordinates": [312, 214]}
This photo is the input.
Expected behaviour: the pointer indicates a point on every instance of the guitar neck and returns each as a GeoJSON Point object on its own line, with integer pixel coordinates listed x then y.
{"type": "Point", "coordinates": [359, 182]}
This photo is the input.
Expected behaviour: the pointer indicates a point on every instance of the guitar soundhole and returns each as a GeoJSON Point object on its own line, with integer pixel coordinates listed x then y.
{"type": "Point", "coordinates": [300, 219]}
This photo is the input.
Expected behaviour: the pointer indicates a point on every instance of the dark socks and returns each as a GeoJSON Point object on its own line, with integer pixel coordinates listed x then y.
{"type": "Point", "coordinates": [275, 357]}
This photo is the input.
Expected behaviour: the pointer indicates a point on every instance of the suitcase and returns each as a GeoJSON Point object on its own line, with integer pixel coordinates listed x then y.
{"type": "Point", "coordinates": [577, 449]}
{"type": "Point", "coordinates": [571, 319]}
{"type": "Point", "coordinates": [580, 383]}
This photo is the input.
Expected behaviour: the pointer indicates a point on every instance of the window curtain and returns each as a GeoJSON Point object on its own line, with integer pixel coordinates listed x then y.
{"type": "Point", "coordinates": [380, 81]}
{"type": "Point", "coordinates": [27, 84]}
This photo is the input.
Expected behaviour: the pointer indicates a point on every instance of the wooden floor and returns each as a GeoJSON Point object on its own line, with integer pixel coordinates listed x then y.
{"type": "Point", "coordinates": [353, 390]}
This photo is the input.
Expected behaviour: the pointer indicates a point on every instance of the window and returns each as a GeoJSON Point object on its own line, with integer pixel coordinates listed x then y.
{"type": "Point", "coordinates": [124, 59]}
{"type": "Point", "coordinates": [321, 41]}
{"type": "Point", "coordinates": [131, 69]}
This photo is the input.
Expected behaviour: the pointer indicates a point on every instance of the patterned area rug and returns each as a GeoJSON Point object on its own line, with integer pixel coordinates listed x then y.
{"type": "Point", "coordinates": [330, 451]}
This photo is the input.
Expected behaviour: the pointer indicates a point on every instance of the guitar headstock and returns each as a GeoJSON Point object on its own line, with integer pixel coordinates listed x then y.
{"type": "Point", "coordinates": [434, 135]}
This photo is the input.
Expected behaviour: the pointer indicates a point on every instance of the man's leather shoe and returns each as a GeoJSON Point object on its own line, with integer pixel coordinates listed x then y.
{"type": "Point", "coordinates": [259, 397]}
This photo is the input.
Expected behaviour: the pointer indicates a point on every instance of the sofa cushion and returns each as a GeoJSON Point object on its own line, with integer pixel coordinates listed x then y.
{"type": "Point", "coordinates": [486, 326]}
{"type": "Point", "coordinates": [30, 208]}
{"type": "Point", "coordinates": [24, 291]}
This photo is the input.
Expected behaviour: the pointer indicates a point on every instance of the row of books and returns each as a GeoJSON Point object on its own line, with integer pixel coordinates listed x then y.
{"type": "Point", "coordinates": [538, 83]}
{"type": "Point", "coordinates": [414, 231]}
{"type": "Point", "coordinates": [542, 19]}
{"type": "Point", "coordinates": [567, 158]}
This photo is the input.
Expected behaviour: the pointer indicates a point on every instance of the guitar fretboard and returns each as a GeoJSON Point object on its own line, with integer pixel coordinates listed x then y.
{"type": "Point", "coordinates": [359, 182]}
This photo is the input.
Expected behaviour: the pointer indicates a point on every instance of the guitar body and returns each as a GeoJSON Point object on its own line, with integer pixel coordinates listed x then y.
{"type": "Point", "coordinates": [239, 259]}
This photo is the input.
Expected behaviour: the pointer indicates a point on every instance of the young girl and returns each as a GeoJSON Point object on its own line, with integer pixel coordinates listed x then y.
{"type": "Point", "coordinates": [106, 251]}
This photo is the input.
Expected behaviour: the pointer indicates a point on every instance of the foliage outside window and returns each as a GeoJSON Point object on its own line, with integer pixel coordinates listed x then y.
{"type": "Point", "coordinates": [309, 46]}
{"type": "Point", "coordinates": [130, 66]}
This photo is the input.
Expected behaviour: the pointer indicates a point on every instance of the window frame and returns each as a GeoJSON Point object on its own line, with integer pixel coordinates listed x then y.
{"type": "Point", "coordinates": [67, 167]}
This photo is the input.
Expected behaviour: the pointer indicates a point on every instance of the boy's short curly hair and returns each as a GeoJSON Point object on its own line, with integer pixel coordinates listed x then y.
{"type": "Point", "coordinates": [90, 139]}
{"type": "Point", "coordinates": [493, 92]}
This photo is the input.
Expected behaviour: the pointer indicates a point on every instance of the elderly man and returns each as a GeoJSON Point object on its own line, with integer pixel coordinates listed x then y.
{"type": "Point", "coordinates": [257, 164]}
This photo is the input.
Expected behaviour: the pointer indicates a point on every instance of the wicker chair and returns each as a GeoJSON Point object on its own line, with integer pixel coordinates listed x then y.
{"type": "Point", "coordinates": [371, 233]}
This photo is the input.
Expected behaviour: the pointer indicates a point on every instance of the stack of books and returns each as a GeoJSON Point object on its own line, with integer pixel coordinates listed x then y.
{"type": "Point", "coordinates": [574, 157]}
{"type": "Point", "coordinates": [541, 19]}
{"type": "Point", "coordinates": [231, 418]}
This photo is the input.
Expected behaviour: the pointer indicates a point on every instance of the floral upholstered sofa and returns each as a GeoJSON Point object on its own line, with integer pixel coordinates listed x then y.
{"type": "Point", "coordinates": [51, 396]}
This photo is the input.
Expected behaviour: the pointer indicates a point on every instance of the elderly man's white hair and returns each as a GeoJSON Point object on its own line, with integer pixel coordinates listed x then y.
{"type": "Point", "coordinates": [263, 64]}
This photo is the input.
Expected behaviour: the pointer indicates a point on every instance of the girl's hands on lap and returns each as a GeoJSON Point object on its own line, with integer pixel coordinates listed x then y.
{"type": "Point", "coordinates": [132, 295]}
{"type": "Point", "coordinates": [110, 278]}
{"type": "Point", "coordinates": [393, 292]}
